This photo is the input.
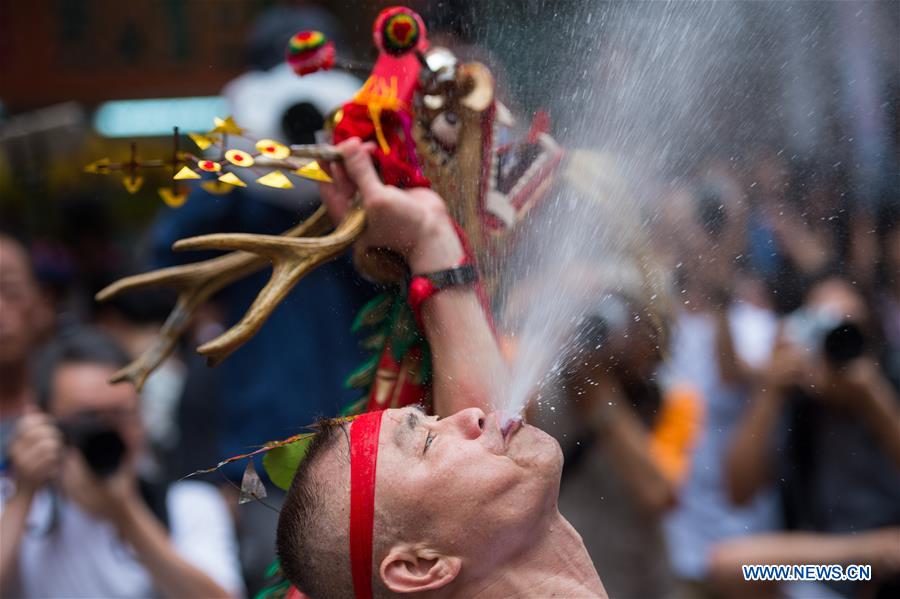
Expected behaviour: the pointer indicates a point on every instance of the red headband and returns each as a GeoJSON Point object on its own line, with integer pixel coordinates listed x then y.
{"type": "Point", "coordinates": [363, 460]}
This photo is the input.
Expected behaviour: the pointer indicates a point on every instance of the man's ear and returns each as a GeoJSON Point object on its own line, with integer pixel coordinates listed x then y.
{"type": "Point", "coordinates": [407, 569]}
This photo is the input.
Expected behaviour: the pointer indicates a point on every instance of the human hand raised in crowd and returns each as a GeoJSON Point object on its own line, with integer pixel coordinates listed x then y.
{"type": "Point", "coordinates": [861, 388]}
{"type": "Point", "coordinates": [851, 383]}
{"type": "Point", "coordinates": [108, 498]}
{"type": "Point", "coordinates": [411, 222]}
{"type": "Point", "coordinates": [35, 452]}
{"type": "Point", "coordinates": [792, 366]}
{"type": "Point", "coordinates": [789, 367]}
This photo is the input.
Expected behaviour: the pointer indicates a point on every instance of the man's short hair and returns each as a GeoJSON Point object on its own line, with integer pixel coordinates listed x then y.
{"type": "Point", "coordinates": [81, 345]}
{"type": "Point", "coordinates": [312, 539]}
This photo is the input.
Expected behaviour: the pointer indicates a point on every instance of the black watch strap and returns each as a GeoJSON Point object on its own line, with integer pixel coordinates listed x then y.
{"type": "Point", "coordinates": [453, 277]}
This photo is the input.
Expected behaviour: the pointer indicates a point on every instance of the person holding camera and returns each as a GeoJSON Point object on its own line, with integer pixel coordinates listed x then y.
{"type": "Point", "coordinates": [825, 424]}
{"type": "Point", "coordinates": [628, 444]}
{"type": "Point", "coordinates": [80, 521]}
{"type": "Point", "coordinates": [25, 318]}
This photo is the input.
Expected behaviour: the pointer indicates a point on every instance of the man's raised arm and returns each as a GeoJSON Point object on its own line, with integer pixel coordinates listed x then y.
{"type": "Point", "coordinates": [467, 364]}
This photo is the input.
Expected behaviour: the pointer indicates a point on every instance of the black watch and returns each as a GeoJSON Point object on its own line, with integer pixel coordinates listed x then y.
{"type": "Point", "coordinates": [452, 277]}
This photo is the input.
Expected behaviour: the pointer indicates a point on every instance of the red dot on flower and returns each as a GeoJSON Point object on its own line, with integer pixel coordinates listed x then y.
{"type": "Point", "coordinates": [238, 157]}
{"type": "Point", "coordinates": [270, 149]}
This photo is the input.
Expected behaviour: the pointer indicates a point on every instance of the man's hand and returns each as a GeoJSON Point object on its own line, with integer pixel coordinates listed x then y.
{"type": "Point", "coordinates": [861, 388]}
{"type": "Point", "coordinates": [116, 500]}
{"type": "Point", "coordinates": [789, 367]}
{"type": "Point", "coordinates": [35, 452]}
{"type": "Point", "coordinates": [108, 498]}
{"type": "Point", "coordinates": [852, 384]}
{"type": "Point", "coordinates": [414, 222]}
{"type": "Point", "coordinates": [35, 455]}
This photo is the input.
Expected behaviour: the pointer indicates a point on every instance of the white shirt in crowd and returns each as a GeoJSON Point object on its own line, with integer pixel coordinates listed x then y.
{"type": "Point", "coordinates": [81, 556]}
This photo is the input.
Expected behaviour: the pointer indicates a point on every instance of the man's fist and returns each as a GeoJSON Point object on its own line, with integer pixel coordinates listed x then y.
{"type": "Point", "coordinates": [412, 222]}
{"type": "Point", "coordinates": [790, 366]}
{"type": "Point", "coordinates": [35, 452]}
{"type": "Point", "coordinates": [107, 498]}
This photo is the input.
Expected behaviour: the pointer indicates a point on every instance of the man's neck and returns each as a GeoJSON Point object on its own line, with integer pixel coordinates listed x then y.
{"type": "Point", "coordinates": [15, 393]}
{"type": "Point", "coordinates": [556, 564]}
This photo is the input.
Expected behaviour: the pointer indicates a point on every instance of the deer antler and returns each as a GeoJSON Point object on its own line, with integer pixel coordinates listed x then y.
{"type": "Point", "coordinates": [291, 258]}
{"type": "Point", "coordinates": [195, 283]}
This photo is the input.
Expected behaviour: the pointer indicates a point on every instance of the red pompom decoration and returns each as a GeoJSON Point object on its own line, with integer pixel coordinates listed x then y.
{"type": "Point", "coordinates": [399, 30]}
{"type": "Point", "coordinates": [310, 51]}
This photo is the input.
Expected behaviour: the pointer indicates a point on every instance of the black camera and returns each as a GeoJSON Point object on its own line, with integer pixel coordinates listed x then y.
{"type": "Point", "coordinates": [98, 441]}
{"type": "Point", "coordinates": [840, 341]}
{"type": "Point", "coordinates": [844, 343]}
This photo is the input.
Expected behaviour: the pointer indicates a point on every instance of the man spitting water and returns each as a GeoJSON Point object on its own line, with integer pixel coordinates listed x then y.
{"type": "Point", "coordinates": [397, 502]}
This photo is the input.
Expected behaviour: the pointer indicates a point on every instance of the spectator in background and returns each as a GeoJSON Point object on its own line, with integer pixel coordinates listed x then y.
{"type": "Point", "coordinates": [133, 320]}
{"type": "Point", "coordinates": [782, 250]}
{"type": "Point", "coordinates": [80, 521]}
{"type": "Point", "coordinates": [767, 185]}
{"type": "Point", "coordinates": [627, 447]}
{"type": "Point", "coordinates": [24, 317]}
{"type": "Point", "coordinates": [799, 224]}
{"type": "Point", "coordinates": [723, 331]}
{"type": "Point", "coordinates": [812, 230]}
{"type": "Point", "coordinates": [824, 425]}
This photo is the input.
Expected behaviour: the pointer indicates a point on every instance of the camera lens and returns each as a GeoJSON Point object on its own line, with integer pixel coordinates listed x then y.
{"type": "Point", "coordinates": [99, 443]}
{"type": "Point", "coordinates": [103, 450]}
{"type": "Point", "coordinates": [844, 343]}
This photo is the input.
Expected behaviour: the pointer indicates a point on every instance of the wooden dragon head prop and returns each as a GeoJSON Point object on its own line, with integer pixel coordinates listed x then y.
{"type": "Point", "coordinates": [435, 121]}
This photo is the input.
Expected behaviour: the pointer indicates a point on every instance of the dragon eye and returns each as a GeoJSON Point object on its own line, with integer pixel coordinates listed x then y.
{"type": "Point", "coordinates": [445, 129]}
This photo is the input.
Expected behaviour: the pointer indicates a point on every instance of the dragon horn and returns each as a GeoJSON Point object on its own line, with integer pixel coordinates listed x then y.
{"type": "Point", "coordinates": [291, 259]}
{"type": "Point", "coordinates": [195, 283]}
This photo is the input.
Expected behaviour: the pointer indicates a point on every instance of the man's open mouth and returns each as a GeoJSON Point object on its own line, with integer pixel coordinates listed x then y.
{"type": "Point", "coordinates": [509, 428]}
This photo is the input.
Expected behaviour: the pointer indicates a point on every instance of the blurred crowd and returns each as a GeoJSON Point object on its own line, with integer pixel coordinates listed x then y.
{"type": "Point", "coordinates": [786, 318]}
{"type": "Point", "coordinates": [762, 427]}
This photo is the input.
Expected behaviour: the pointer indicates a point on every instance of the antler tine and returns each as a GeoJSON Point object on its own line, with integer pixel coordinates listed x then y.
{"type": "Point", "coordinates": [137, 371]}
{"type": "Point", "coordinates": [291, 259]}
{"type": "Point", "coordinates": [195, 283]}
{"type": "Point", "coordinates": [176, 277]}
